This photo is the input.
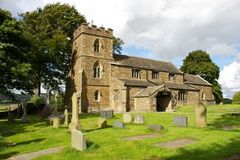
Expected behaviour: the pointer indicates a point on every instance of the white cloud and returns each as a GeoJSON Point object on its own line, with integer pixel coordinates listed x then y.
{"type": "Point", "coordinates": [230, 79]}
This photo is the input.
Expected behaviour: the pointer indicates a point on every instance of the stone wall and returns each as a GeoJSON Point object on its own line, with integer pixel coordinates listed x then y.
{"type": "Point", "coordinates": [131, 93]}
{"type": "Point", "coordinates": [142, 104]}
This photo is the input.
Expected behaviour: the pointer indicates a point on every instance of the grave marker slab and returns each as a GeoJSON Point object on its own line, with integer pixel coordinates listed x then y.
{"type": "Point", "coordinates": [176, 143]}
{"type": "Point", "coordinates": [156, 127]}
{"type": "Point", "coordinates": [78, 140]}
{"type": "Point", "coordinates": [106, 113]}
{"type": "Point", "coordinates": [138, 119]}
{"type": "Point", "coordinates": [118, 124]}
{"type": "Point", "coordinates": [127, 117]}
{"type": "Point", "coordinates": [180, 121]}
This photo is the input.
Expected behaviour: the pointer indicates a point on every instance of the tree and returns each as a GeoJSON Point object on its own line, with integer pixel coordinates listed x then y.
{"type": "Point", "coordinates": [199, 62]}
{"type": "Point", "coordinates": [14, 56]}
{"type": "Point", "coordinates": [236, 98]}
{"type": "Point", "coordinates": [51, 32]}
{"type": "Point", "coordinates": [117, 45]}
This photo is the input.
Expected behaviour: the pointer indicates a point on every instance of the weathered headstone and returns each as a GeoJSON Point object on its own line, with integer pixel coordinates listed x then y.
{"type": "Point", "coordinates": [118, 124]}
{"type": "Point", "coordinates": [65, 117]}
{"type": "Point", "coordinates": [180, 121]}
{"type": "Point", "coordinates": [24, 117]}
{"type": "Point", "coordinates": [102, 122]}
{"type": "Point", "coordinates": [156, 127]}
{"type": "Point", "coordinates": [138, 119]}
{"type": "Point", "coordinates": [56, 121]}
{"type": "Point", "coordinates": [200, 115]}
{"type": "Point", "coordinates": [78, 140]}
{"type": "Point", "coordinates": [75, 111]}
{"type": "Point", "coordinates": [127, 117]}
{"type": "Point", "coordinates": [106, 113]}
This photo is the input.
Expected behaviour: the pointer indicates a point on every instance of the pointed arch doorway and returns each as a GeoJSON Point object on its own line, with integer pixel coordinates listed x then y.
{"type": "Point", "coordinates": [163, 100]}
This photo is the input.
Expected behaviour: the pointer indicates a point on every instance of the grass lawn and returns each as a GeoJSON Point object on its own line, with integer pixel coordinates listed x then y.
{"type": "Point", "coordinates": [211, 143]}
{"type": "Point", "coordinates": [4, 107]}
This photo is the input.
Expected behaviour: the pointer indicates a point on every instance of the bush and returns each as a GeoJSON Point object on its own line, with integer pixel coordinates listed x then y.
{"type": "Point", "coordinates": [236, 98]}
{"type": "Point", "coordinates": [36, 100]}
{"type": "Point", "coordinates": [57, 102]}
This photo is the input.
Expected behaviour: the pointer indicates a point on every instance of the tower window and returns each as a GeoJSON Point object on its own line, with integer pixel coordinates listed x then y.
{"type": "Point", "coordinates": [97, 95]}
{"type": "Point", "coordinates": [96, 45]}
{"type": "Point", "coordinates": [97, 70]}
{"type": "Point", "coordinates": [136, 73]}
{"type": "Point", "coordinates": [155, 75]}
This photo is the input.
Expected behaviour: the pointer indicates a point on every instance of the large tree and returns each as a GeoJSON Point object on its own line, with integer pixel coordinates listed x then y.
{"type": "Point", "coordinates": [199, 62]}
{"type": "Point", "coordinates": [50, 30]}
{"type": "Point", "coordinates": [15, 66]}
{"type": "Point", "coordinates": [236, 98]}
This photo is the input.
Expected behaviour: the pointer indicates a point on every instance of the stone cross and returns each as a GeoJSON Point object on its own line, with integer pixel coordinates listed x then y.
{"type": "Point", "coordinates": [66, 117]}
{"type": "Point", "coordinates": [200, 115]}
{"type": "Point", "coordinates": [75, 111]}
{"type": "Point", "coordinates": [24, 117]}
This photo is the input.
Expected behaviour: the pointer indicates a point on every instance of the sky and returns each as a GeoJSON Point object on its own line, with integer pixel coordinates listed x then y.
{"type": "Point", "coordinates": [165, 29]}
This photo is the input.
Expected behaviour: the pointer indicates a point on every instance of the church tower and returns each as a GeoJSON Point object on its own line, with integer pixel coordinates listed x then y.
{"type": "Point", "coordinates": [91, 70]}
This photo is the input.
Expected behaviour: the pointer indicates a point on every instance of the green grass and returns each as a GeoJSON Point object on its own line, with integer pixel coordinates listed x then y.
{"type": "Point", "coordinates": [4, 107]}
{"type": "Point", "coordinates": [211, 143]}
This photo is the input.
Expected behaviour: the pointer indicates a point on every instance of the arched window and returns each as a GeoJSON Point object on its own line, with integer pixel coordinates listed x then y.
{"type": "Point", "coordinates": [97, 70]}
{"type": "Point", "coordinates": [97, 95]}
{"type": "Point", "coordinates": [203, 96]}
{"type": "Point", "coordinates": [96, 45]}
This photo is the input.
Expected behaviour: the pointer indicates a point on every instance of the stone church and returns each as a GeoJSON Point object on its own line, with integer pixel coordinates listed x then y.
{"type": "Point", "coordinates": [104, 80]}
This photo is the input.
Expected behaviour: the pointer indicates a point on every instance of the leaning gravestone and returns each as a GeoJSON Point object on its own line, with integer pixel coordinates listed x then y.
{"type": "Point", "coordinates": [75, 108]}
{"type": "Point", "coordinates": [138, 119]}
{"type": "Point", "coordinates": [180, 121]}
{"type": "Point", "coordinates": [78, 140]}
{"type": "Point", "coordinates": [118, 124]}
{"type": "Point", "coordinates": [24, 117]}
{"type": "Point", "coordinates": [127, 117]}
{"type": "Point", "coordinates": [106, 113]}
{"type": "Point", "coordinates": [65, 117]}
{"type": "Point", "coordinates": [200, 115]}
{"type": "Point", "coordinates": [102, 122]}
{"type": "Point", "coordinates": [156, 127]}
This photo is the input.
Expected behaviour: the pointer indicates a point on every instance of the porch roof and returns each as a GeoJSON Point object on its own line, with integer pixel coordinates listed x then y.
{"type": "Point", "coordinates": [148, 91]}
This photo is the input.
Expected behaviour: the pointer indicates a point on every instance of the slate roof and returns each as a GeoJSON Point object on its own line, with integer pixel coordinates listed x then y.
{"type": "Point", "coordinates": [148, 91]}
{"type": "Point", "coordinates": [140, 83]}
{"type": "Point", "coordinates": [195, 79]}
{"type": "Point", "coordinates": [144, 63]}
{"type": "Point", "coordinates": [178, 86]}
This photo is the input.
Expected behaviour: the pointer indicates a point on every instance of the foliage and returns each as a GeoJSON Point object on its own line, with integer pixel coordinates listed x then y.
{"type": "Point", "coordinates": [15, 68]}
{"type": "Point", "coordinates": [50, 30]}
{"type": "Point", "coordinates": [227, 101]}
{"type": "Point", "coordinates": [36, 100]}
{"type": "Point", "coordinates": [199, 62]}
{"type": "Point", "coordinates": [57, 102]}
{"type": "Point", "coordinates": [117, 45]}
{"type": "Point", "coordinates": [236, 98]}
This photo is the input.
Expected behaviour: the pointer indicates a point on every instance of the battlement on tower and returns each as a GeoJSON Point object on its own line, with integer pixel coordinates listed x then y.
{"type": "Point", "coordinates": [92, 30]}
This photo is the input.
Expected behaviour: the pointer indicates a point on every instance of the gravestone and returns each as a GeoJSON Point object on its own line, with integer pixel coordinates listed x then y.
{"type": "Point", "coordinates": [56, 121]}
{"type": "Point", "coordinates": [200, 115]}
{"type": "Point", "coordinates": [127, 117]}
{"type": "Point", "coordinates": [78, 140]}
{"type": "Point", "coordinates": [118, 124]}
{"type": "Point", "coordinates": [106, 113]}
{"type": "Point", "coordinates": [24, 117]}
{"type": "Point", "coordinates": [75, 111]}
{"type": "Point", "coordinates": [180, 121]}
{"type": "Point", "coordinates": [138, 119]}
{"type": "Point", "coordinates": [102, 122]}
{"type": "Point", "coordinates": [10, 115]}
{"type": "Point", "coordinates": [65, 117]}
{"type": "Point", "coordinates": [156, 127]}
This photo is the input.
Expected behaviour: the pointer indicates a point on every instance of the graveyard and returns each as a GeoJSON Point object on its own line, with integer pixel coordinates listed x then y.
{"type": "Point", "coordinates": [150, 136]}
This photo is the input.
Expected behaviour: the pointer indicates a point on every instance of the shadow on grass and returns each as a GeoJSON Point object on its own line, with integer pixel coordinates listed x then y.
{"type": "Point", "coordinates": [229, 119]}
{"type": "Point", "coordinates": [30, 141]}
{"type": "Point", "coordinates": [214, 152]}
{"type": "Point", "coordinates": [7, 155]}
{"type": "Point", "coordinates": [95, 129]}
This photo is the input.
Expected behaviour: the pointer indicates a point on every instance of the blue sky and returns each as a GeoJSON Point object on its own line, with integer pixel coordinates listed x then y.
{"type": "Point", "coordinates": [165, 29]}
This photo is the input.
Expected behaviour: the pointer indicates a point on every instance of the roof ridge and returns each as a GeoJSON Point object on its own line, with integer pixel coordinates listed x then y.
{"type": "Point", "coordinates": [203, 79]}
